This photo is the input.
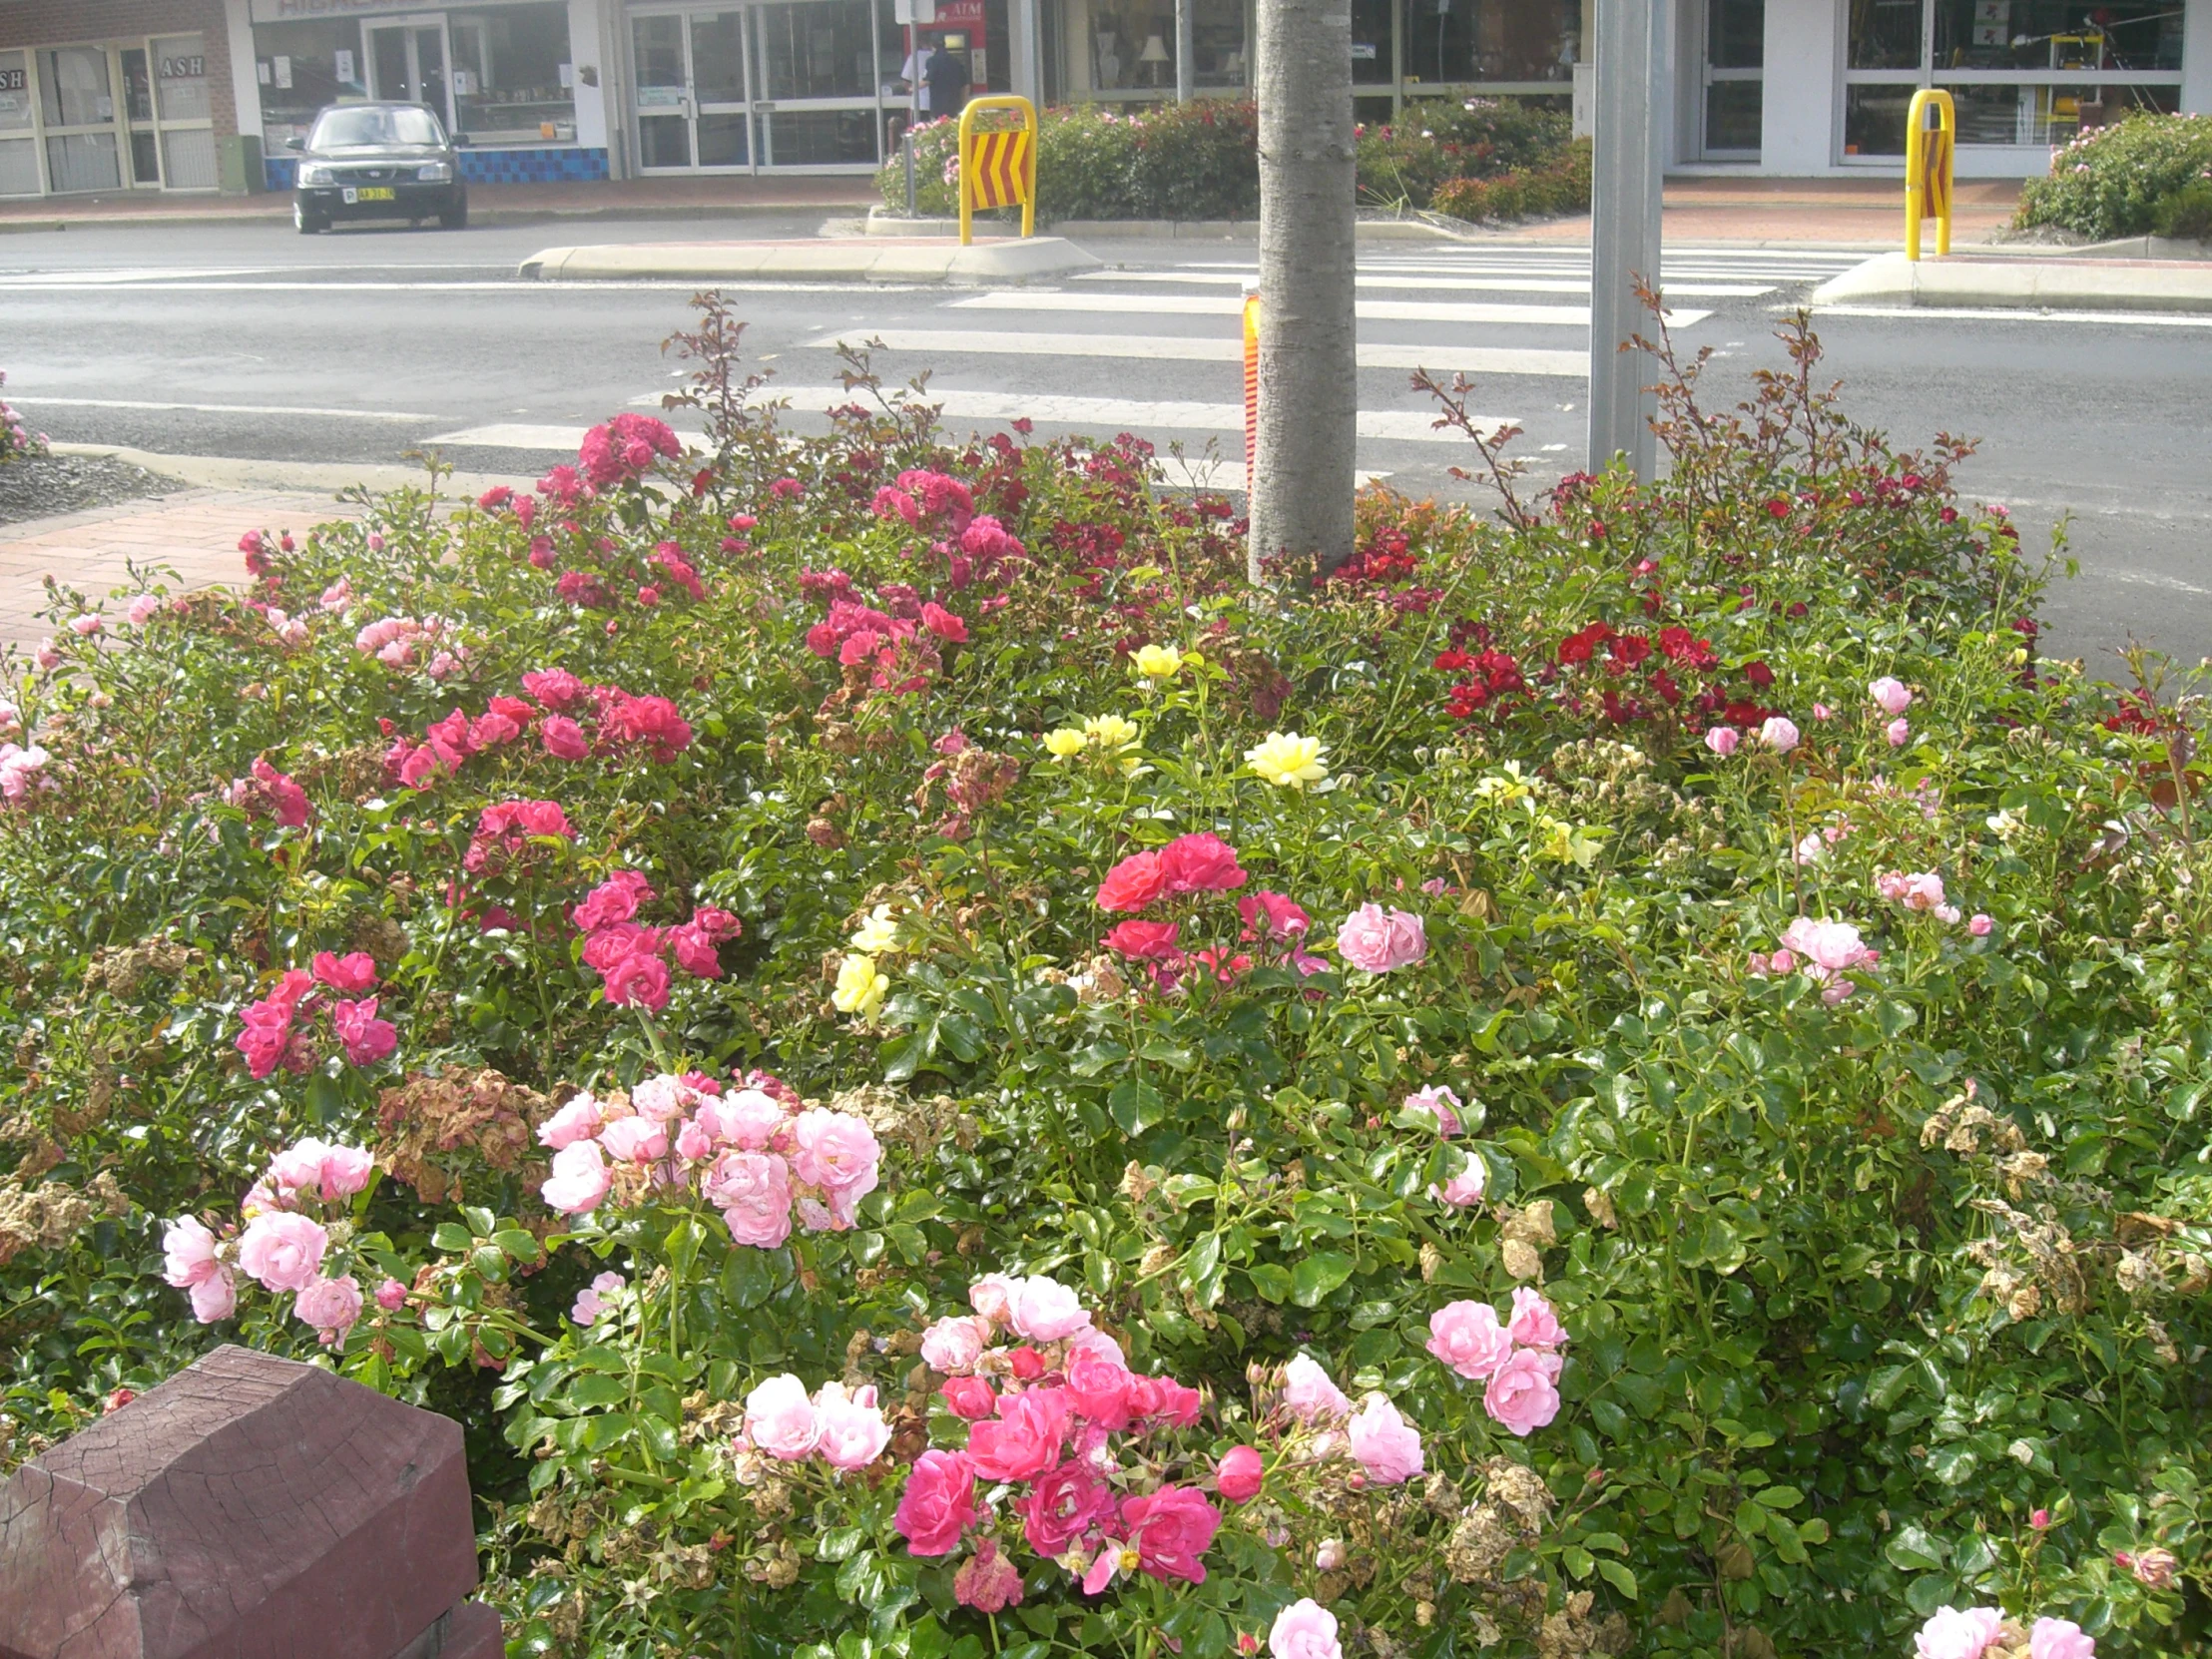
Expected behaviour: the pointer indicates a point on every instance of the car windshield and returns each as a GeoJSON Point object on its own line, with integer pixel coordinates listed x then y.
{"type": "Point", "coordinates": [339, 128]}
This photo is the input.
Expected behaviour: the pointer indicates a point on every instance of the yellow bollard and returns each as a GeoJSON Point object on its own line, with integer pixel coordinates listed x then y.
{"type": "Point", "coordinates": [999, 166]}
{"type": "Point", "coordinates": [1928, 168]}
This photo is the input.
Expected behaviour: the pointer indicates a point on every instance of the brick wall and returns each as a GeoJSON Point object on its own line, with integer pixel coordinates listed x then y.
{"type": "Point", "coordinates": [98, 22]}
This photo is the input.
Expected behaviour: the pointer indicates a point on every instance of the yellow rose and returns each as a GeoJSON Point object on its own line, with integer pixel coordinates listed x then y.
{"type": "Point", "coordinates": [1111, 732]}
{"type": "Point", "coordinates": [1064, 744]}
{"type": "Point", "coordinates": [1288, 761]}
{"type": "Point", "coordinates": [1157, 661]}
{"type": "Point", "coordinates": [861, 987]}
{"type": "Point", "coordinates": [879, 933]}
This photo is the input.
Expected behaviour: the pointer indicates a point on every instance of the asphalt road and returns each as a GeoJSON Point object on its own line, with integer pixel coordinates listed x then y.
{"type": "Point", "coordinates": [361, 346]}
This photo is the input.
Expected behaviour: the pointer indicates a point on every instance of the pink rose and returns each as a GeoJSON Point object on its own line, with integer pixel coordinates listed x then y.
{"type": "Point", "coordinates": [750, 1117]}
{"type": "Point", "coordinates": [391, 1296]}
{"type": "Point", "coordinates": [1307, 1393]}
{"type": "Point", "coordinates": [1465, 1190]}
{"type": "Point", "coordinates": [330, 1306]}
{"type": "Point", "coordinates": [640, 980]}
{"type": "Point", "coordinates": [1133, 884]}
{"type": "Point", "coordinates": [579, 1181]}
{"type": "Point", "coordinates": [1045, 1311]}
{"type": "Point", "coordinates": [780, 1420]}
{"type": "Point", "coordinates": [1958, 1633]}
{"type": "Point", "coordinates": [1387, 1446]}
{"type": "Point", "coordinates": [579, 1120]}
{"type": "Point", "coordinates": [348, 975]}
{"type": "Point", "coordinates": [752, 1191]}
{"type": "Point", "coordinates": [1098, 1387]}
{"type": "Point", "coordinates": [298, 1167]}
{"type": "Point", "coordinates": [346, 1171]}
{"type": "Point", "coordinates": [1533, 1324]}
{"type": "Point", "coordinates": [1467, 1337]}
{"type": "Point", "coordinates": [837, 1152]}
{"type": "Point", "coordinates": [1379, 941]}
{"type": "Point", "coordinates": [1025, 1437]}
{"type": "Point", "coordinates": [1779, 733]}
{"type": "Point", "coordinates": [215, 1298]}
{"type": "Point", "coordinates": [1889, 694]}
{"type": "Point", "coordinates": [955, 1344]}
{"type": "Point", "coordinates": [852, 1431]}
{"type": "Point", "coordinates": [1722, 740]}
{"type": "Point", "coordinates": [663, 1098]}
{"type": "Point", "coordinates": [1061, 1506]}
{"type": "Point", "coordinates": [283, 1250]}
{"type": "Point", "coordinates": [1202, 863]}
{"type": "Point", "coordinates": [1523, 1394]}
{"type": "Point", "coordinates": [1440, 1103]}
{"type": "Point", "coordinates": [1980, 925]}
{"type": "Point", "coordinates": [938, 1504]}
{"type": "Point", "coordinates": [188, 1253]}
{"type": "Point", "coordinates": [992, 1296]}
{"type": "Point", "coordinates": [1898, 731]}
{"type": "Point", "coordinates": [635, 1140]}
{"type": "Point", "coordinates": [2060, 1639]}
{"type": "Point", "coordinates": [144, 609]}
{"type": "Point", "coordinates": [1240, 1474]}
{"type": "Point", "coordinates": [1171, 1528]}
{"type": "Point", "coordinates": [987, 1581]}
{"type": "Point", "coordinates": [1305, 1630]}
{"type": "Point", "coordinates": [365, 1038]}
{"type": "Point", "coordinates": [969, 1398]}
{"type": "Point", "coordinates": [563, 738]}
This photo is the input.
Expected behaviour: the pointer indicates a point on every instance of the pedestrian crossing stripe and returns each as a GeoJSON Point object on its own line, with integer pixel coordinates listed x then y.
{"type": "Point", "coordinates": [1004, 165]}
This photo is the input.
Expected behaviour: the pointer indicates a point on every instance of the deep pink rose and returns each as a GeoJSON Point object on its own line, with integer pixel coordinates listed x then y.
{"type": "Point", "coordinates": [1201, 862]}
{"type": "Point", "coordinates": [938, 1504]}
{"type": "Point", "coordinates": [1144, 941]}
{"type": "Point", "coordinates": [615, 900]}
{"type": "Point", "coordinates": [1061, 1506]}
{"type": "Point", "coordinates": [365, 1038]}
{"type": "Point", "coordinates": [1379, 941]}
{"type": "Point", "coordinates": [350, 975]}
{"type": "Point", "coordinates": [1171, 1528]}
{"type": "Point", "coordinates": [1523, 1392]}
{"type": "Point", "coordinates": [1240, 1474]}
{"type": "Point", "coordinates": [1024, 1440]}
{"type": "Point", "coordinates": [1098, 1387]}
{"type": "Point", "coordinates": [563, 738]}
{"type": "Point", "coordinates": [1133, 884]}
{"type": "Point", "coordinates": [640, 979]}
{"type": "Point", "coordinates": [969, 1397]}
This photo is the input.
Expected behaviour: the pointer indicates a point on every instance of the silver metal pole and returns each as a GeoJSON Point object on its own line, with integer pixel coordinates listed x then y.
{"type": "Point", "coordinates": [906, 144]}
{"type": "Point", "coordinates": [1186, 71]}
{"type": "Point", "coordinates": [1624, 232]}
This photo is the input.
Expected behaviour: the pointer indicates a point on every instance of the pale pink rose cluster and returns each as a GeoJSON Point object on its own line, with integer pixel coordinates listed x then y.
{"type": "Point", "coordinates": [842, 1427]}
{"type": "Point", "coordinates": [1464, 1190]}
{"type": "Point", "coordinates": [758, 1155]}
{"type": "Point", "coordinates": [281, 1248]}
{"type": "Point", "coordinates": [1971, 1632]}
{"type": "Point", "coordinates": [1379, 941]}
{"type": "Point", "coordinates": [1517, 1360]}
{"type": "Point", "coordinates": [1305, 1630]}
{"type": "Point", "coordinates": [1387, 1448]}
{"type": "Point", "coordinates": [1922, 891]}
{"type": "Point", "coordinates": [1824, 951]}
{"type": "Point", "coordinates": [22, 769]}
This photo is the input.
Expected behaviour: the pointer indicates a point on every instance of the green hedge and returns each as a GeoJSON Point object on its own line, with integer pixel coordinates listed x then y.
{"type": "Point", "coordinates": [1559, 185]}
{"type": "Point", "coordinates": [2116, 180]}
{"type": "Point", "coordinates": [1201, 159]}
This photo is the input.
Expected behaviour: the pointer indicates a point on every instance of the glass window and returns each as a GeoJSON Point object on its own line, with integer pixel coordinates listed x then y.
{"type": "Point", "coordinates": [1885, 34]}
{"type": "Point", "coordinates": [2058, 34]}
{"type": "Point", "coordinates": [802, 138]}
{"type": "Point", "coordinates": [1736, 34]}
{"type": "Point", "coordinates": [303, 68]}
{"type": "Point", "coordinates": [18, 154]}
{"type": "Point", "coordinates": [818, 49]}
{"type": "Point", "coordinates": [73, 86]}
{"type": "Point", "coordinates": [1372, 60]}
{"type": "Point", "coordinates": [513, 78]}
{"type": "Point", "coordinates": [180, 77]}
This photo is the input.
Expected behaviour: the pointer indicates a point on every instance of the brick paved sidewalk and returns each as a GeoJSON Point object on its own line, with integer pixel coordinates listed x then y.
{"type": "Point", "coordinates": [193, 533]}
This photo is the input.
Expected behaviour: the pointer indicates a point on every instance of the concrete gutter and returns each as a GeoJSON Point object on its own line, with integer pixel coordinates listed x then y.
{"type": "Point", "coordinates": [2038, 281]}
{"type": "Point", "coordinates": [851, 259]}
{"type": "Point", "coordinates": [880, 224]}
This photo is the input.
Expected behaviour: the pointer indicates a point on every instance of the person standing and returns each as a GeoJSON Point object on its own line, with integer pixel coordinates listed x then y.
{"type": "Point", "coordinates": [947, 79]}
{"type": "Point", "coordinates": [915, 76]}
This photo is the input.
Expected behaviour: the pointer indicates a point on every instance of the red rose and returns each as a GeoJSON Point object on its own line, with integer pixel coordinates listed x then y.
{"type": "Point", "coordinates": [1171, 1528]}
{"type": "Point", "coordinates": [1025, 1438]}
{"type": "Point", "coordinates": [938, 1504]}
{"type": "Point", "coordinates": [1200, 863]}
{"type": "Point", "coordinates": [969, 1397]}
{"type": "Point", "coordinates": [1133, 884]}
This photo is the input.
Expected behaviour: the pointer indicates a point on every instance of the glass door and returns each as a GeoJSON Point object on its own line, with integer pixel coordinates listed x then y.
{"type": "Point", "coordinates": [821, 83]}
{"type": "Point", "coordinates": [722, 117]}
{"type": "Point", "coordinates": [137, 114]}
{"type": "Point", "coordinates": [407, 64]}
{"type": "Point", "coordinates": [1735, 79]}
{"type": "Point", "coordinates": [77, 99]}
{"type": "Point", "coordinates": [662, 75]}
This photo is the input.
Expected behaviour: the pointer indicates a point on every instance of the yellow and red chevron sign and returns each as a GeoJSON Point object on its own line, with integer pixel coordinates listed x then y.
{"type": "Point", "coordinates": [998, 165]}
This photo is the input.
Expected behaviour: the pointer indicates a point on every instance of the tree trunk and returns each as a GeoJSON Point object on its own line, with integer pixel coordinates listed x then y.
{"type": "Point", "coordinates": [1300, 488]}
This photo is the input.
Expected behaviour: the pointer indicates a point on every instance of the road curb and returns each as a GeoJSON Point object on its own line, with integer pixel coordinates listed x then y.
{"type": "Point", "coordinates": [220, 472]}
{"type": "Point", "coordinates": [851, 259]}
{"type": "Point", "coordinates": [2067, 282]}
{"type": "Point", "coordinates": [880, 224]}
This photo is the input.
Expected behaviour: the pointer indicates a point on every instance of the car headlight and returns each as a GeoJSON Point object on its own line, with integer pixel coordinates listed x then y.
{"type": "Point", "coordinates": [312, 174]}
{"type": "Point", "coordinates": [436, 172]}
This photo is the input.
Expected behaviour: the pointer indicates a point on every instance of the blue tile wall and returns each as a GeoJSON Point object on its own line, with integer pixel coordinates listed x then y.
{"type": "Point", "coordinates": [489, 166]}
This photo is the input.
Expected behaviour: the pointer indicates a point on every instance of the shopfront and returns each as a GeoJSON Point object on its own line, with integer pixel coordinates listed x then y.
{"type": "Point", "coordinates": [135, 114]}
{"type": "Point", "coordinates": [506, 76]}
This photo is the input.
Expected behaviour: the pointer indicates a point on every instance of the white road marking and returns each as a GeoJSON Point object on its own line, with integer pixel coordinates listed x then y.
{"type": "Point", "coordinates": [1207, 304]}
{"type": "Point", "coordinates": [511, 286]}
{"type": "Point", "coordinates": [1227, 476]}
{"type": "Point", "coordinates": [220, 408]}
{"type": "Point", "coordinates": [1444, 360]}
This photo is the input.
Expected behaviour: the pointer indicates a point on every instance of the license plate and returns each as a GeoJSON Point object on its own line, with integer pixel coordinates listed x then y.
{"type": "Point", "coordinates": [371, 192]}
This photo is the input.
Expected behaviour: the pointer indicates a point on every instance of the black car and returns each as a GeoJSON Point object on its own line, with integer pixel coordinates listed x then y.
{"type": "Point", "coordinates": [377, 161]}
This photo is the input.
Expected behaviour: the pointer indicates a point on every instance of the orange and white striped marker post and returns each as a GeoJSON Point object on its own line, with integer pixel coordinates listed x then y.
{"type": "Point", "coordinates": [1252, 381]}
{"type": "Point", "coordinates": [998, 165]}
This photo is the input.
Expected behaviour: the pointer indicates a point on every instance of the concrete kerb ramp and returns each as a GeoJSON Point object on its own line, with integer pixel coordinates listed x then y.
{"type": "Point", "coordinates": [998, 260]}
{"type": "Point", "coordinates": [2024, 283]}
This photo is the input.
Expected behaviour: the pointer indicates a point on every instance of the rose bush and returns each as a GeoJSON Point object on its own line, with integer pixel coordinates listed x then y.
{"type": "Point", "coordinates": [927, 1070]}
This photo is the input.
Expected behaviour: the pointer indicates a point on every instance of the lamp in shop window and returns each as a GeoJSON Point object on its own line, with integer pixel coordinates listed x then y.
{"type": "Point", "coordinates": [1155, 53]}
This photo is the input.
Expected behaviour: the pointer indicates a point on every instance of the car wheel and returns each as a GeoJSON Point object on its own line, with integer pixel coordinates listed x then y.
{"type": "Point", "coordinates": [306, 223]}
{"type": "Point", "coordinates": [455, 218]}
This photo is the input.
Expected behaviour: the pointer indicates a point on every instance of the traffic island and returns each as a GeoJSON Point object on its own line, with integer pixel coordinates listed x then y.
{"type": "Point", "coordinates": [852, 259]}
{"type": "Point", "coordinates": [2065, 282]}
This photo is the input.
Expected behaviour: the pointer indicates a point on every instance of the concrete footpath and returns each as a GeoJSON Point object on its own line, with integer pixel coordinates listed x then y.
{"type": "Point", "coordinates": [2024, 280]}
{"type": "Point", "coordinates": [988, 259]}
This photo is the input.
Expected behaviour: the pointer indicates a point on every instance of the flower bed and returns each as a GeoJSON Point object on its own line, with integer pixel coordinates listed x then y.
{"type": "Point", "coordinates": [1201, 160]}
{"type": "Point", "coordinates": [2123, 179]}
{"type": "Point", "coordinates": [927, 1071]}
